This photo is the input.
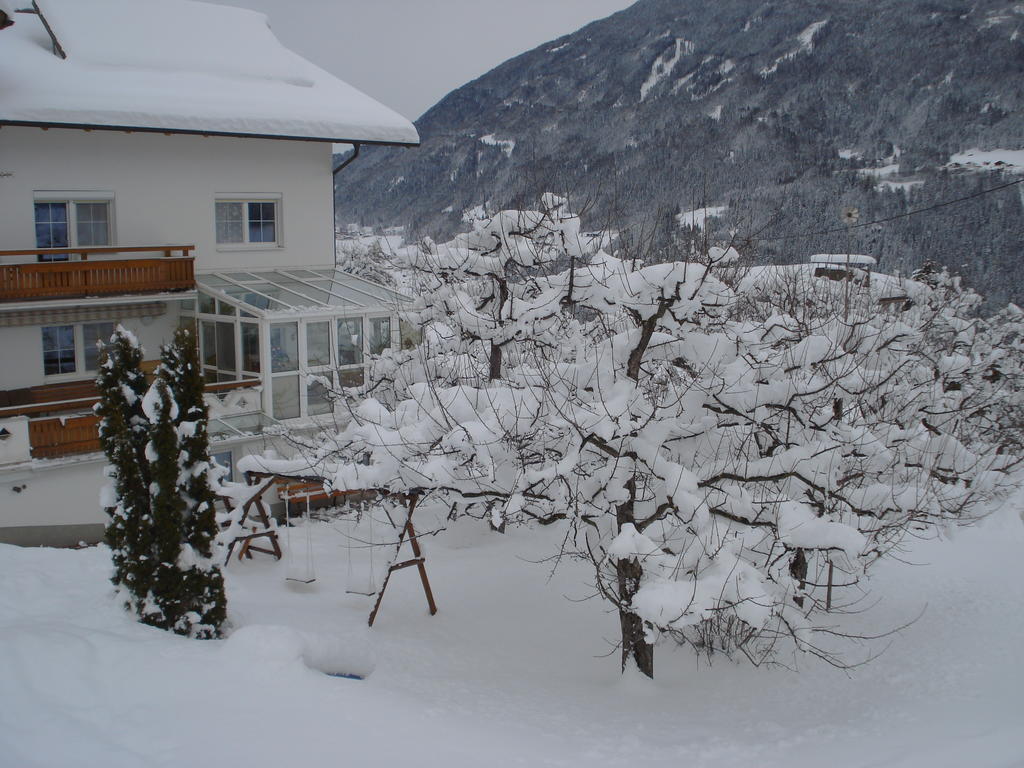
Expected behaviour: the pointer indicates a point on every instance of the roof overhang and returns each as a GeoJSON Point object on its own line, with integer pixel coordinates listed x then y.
{"type": "Point", "coordinates": [193, 132]}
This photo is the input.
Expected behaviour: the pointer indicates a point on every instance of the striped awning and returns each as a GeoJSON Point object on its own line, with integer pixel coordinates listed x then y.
{"type": "Point", "coordinates": [80, 314]}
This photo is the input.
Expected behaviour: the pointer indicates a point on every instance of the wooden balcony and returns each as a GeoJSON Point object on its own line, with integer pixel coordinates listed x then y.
{"type": "Point", "coordinates": [111, 274]}
{"type": "Point", "coordinates": [52, 438]}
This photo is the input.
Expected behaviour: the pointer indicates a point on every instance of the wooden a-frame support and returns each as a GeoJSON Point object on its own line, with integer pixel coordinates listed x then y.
{"type": "Point", "coordinates": [246, 546]}
{"type": "Point", "coordinates": [418, 560]}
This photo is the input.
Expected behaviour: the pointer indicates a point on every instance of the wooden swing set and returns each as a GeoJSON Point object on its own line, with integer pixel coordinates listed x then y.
{"type": "Point", "coordinates": [309, 489]}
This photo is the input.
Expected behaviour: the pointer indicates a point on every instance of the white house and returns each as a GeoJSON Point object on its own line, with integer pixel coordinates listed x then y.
{"type": "Point", "coordinates": [166, 162]}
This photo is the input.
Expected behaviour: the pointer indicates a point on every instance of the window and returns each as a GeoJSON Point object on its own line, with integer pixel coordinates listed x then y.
{"type": "Point", "coordinates": [284, 347]}
{"type": "Point", "coordinates": [245, 222]}
{"type": "Point", "coordinates": [92, 335]}
{"type": "Point", "coordinates": [317, 401]}
{"type": "Point", "coordinates": [51, 225]}
{"type": "Point", "coordinates": [63, 223]}
{"type": "Point", "coordinates": [58, 349]}
{"type": "Point", "coordinates": [251, 347]}
{"type": "Point", "coordinates": [71, 348]}
{"type": "Point", "coordinates": [350, 341]}
{"type": "Point", "coordinates": [380, 334]}
{"type": "Point", "coordinates": [217, 348]}
{"type": "Point", "coordinates": [318, 344]}
{"type": "Point", "coordinates": [225, 461]}
{"type": "Point", "coordinates": [285, 397]}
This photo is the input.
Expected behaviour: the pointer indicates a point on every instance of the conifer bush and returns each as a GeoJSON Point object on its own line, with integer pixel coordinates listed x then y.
{"type": "Point", "coordinates": [160, 501]}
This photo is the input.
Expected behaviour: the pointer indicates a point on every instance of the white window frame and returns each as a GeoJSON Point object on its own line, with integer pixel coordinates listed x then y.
{"type": "Point", "coordinates": [80, 342]}
{"type": "Point", "coordinates": [245, 198]}
{"type": "Point", "coordinates": [71, 198]}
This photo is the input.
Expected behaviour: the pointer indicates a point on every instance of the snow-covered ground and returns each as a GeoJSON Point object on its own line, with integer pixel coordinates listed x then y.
{"type": "Point", "coordinates": [512, 671]}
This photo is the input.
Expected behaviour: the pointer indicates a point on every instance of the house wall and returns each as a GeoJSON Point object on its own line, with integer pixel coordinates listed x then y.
{"type": "Point", "coordinates": [164, 188]}
{"type": "Point", "coordinates": [22, 349]}
{"type": "Point", "coordinates": [57, 503]}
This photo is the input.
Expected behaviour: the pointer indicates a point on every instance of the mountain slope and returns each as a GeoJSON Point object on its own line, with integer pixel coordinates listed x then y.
{"type": "Point", "coordinates": [785, 113]}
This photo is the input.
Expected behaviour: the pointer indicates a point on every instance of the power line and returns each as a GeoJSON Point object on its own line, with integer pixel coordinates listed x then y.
{"type": "Point", "coordinates": [905, 215]}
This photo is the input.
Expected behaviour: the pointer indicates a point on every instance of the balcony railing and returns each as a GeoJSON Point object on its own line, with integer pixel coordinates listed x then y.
{"type": "Point", "coordinates": [52, 438]}
{"type": "Point", "coordinates": [114, 276]}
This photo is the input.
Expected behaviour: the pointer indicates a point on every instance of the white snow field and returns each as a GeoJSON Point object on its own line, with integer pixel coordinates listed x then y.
{"type": "Point", "coordinates": [511, 671]}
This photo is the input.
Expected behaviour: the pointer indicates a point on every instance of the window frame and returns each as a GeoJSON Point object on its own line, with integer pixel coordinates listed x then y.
{"type": "Point", "coordinates": [244, 199]}
{"type": "Point", "coordinates": [81, 370]}
{"type": "Point", "coordinates": [71, 199]}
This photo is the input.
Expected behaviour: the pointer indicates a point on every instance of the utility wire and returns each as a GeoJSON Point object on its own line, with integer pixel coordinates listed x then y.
{"type": "Point", "coordinates": [833, 230]}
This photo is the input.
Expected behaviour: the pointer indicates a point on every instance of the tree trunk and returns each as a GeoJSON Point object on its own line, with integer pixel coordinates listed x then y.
{"type": "Point", "coordinates": [628, 574]}
{"type": "Point", "coordinates": [495, 367]}
{"type": "Point", "coordinates": [634, 644]}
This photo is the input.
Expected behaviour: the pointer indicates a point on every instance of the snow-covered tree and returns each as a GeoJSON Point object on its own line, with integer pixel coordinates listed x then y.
{"type": "Point", "coordinates": [204, 601]}
{"type": "Point", "coordinates": [123, 435]}
{"type": "Point", "coordinates": [160, 500]}
{"type": "Point", "coordinates": [731, 449]}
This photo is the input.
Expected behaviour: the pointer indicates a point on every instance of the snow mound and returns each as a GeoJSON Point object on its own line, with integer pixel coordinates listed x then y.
{"type": "Point", "coordinates": [269, 646]}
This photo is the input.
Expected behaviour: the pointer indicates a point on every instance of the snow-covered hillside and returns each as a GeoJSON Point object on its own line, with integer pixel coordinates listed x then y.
{"type": "Point", "coordinates": [511, 671]}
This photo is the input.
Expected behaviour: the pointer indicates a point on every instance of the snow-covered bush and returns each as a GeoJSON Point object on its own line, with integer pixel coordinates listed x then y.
{"type": "Point", "coordinates": [731, 448]}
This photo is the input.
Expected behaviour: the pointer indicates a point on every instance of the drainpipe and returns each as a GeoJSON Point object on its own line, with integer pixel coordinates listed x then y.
{"type": "Point", "coordinates": [334, 207]}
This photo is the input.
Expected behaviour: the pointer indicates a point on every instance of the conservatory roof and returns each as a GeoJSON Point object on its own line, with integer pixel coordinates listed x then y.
{"type": "Point", "coordinates": [316, 290]}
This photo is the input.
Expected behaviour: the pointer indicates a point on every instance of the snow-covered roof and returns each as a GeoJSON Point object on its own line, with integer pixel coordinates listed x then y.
{"type": "Point", "coordinates": [856, 259]}
{"type": "Point", "coordinates": [178, 66]}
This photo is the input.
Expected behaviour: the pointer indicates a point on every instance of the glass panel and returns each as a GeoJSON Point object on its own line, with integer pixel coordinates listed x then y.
{"type": "Point", "coordinates": [316, 399]}
{"type": "Point", "coordinates": [226, 347]}
{"type": "Point", "coordinates": [92, 223]}
{"type": "Point", "coordinates": [250, 347]}
{"type": "Point", "coordinates": [52, 228]}
{"type": "Point", "coordinates": [350, 340]}
{"type": "Point", "coordinates": [318, 344]}
{"type": "Point", "coordinates": [208, 342]}
{"type": "Point", "coordinates": [380, 334]}
{"type": "Point", "coordinates": [241, 277]}
{"type": "Point", "coordinates": [306, 294]}
{"type": "Point", "coordinates": [351, 378]}
{"type": "Point", "coordinates": [286, 397]}
{"type": "Point", "coordinates": [210, 375]}
{"type": "Point", "coordinates": [302, 273]}
{"type": "Point", "coordinates": [223, 308]}
{"type": "Point", "coordinates": [261, 223]}
{"type": "Point", "coordinates": [92, 334]}
{"type": "Point", "coordinates": [284, 348]}
{"type": "Point", "coordinates": [224, 460]}
{"type": "Point", "coordinates": [219, 429]}
{"type": "Point", "coordinates": [229, 223]}
{"type": "Point", "coordinates": [188, 305]}
{"type": "Point", "coordinates": [254, 300]}
{"type": "Point", "coordinates": [248, 423]}
{"type": "Point", "coordinates": [58, 349]}
{"type": "Point", "coordinates": [207, 305]}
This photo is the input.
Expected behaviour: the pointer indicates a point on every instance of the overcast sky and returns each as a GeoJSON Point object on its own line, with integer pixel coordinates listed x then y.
{"type": "Point", "coordinates": [409, 53]}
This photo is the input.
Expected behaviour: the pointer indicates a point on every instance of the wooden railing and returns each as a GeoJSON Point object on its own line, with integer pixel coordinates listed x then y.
{"type": "Point", "coordinates": [52, 438]}
{"type": "Point", "coordinates": [100, 277]}
{"type": "Point", "coordinates": [70, 435]}
{"type": "Point", "coordinates": [77, 396]}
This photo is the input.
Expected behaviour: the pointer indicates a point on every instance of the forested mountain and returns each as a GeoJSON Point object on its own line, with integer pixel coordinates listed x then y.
{"type": "Point", "coordinates": [785, 113]}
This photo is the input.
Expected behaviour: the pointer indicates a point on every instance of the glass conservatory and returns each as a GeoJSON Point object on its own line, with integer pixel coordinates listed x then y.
{"type": "Point", "coordinates": [290, 327]}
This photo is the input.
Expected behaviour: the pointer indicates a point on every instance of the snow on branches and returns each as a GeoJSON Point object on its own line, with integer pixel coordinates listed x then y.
{"type": "Point", "coordinates": [731, 448]}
